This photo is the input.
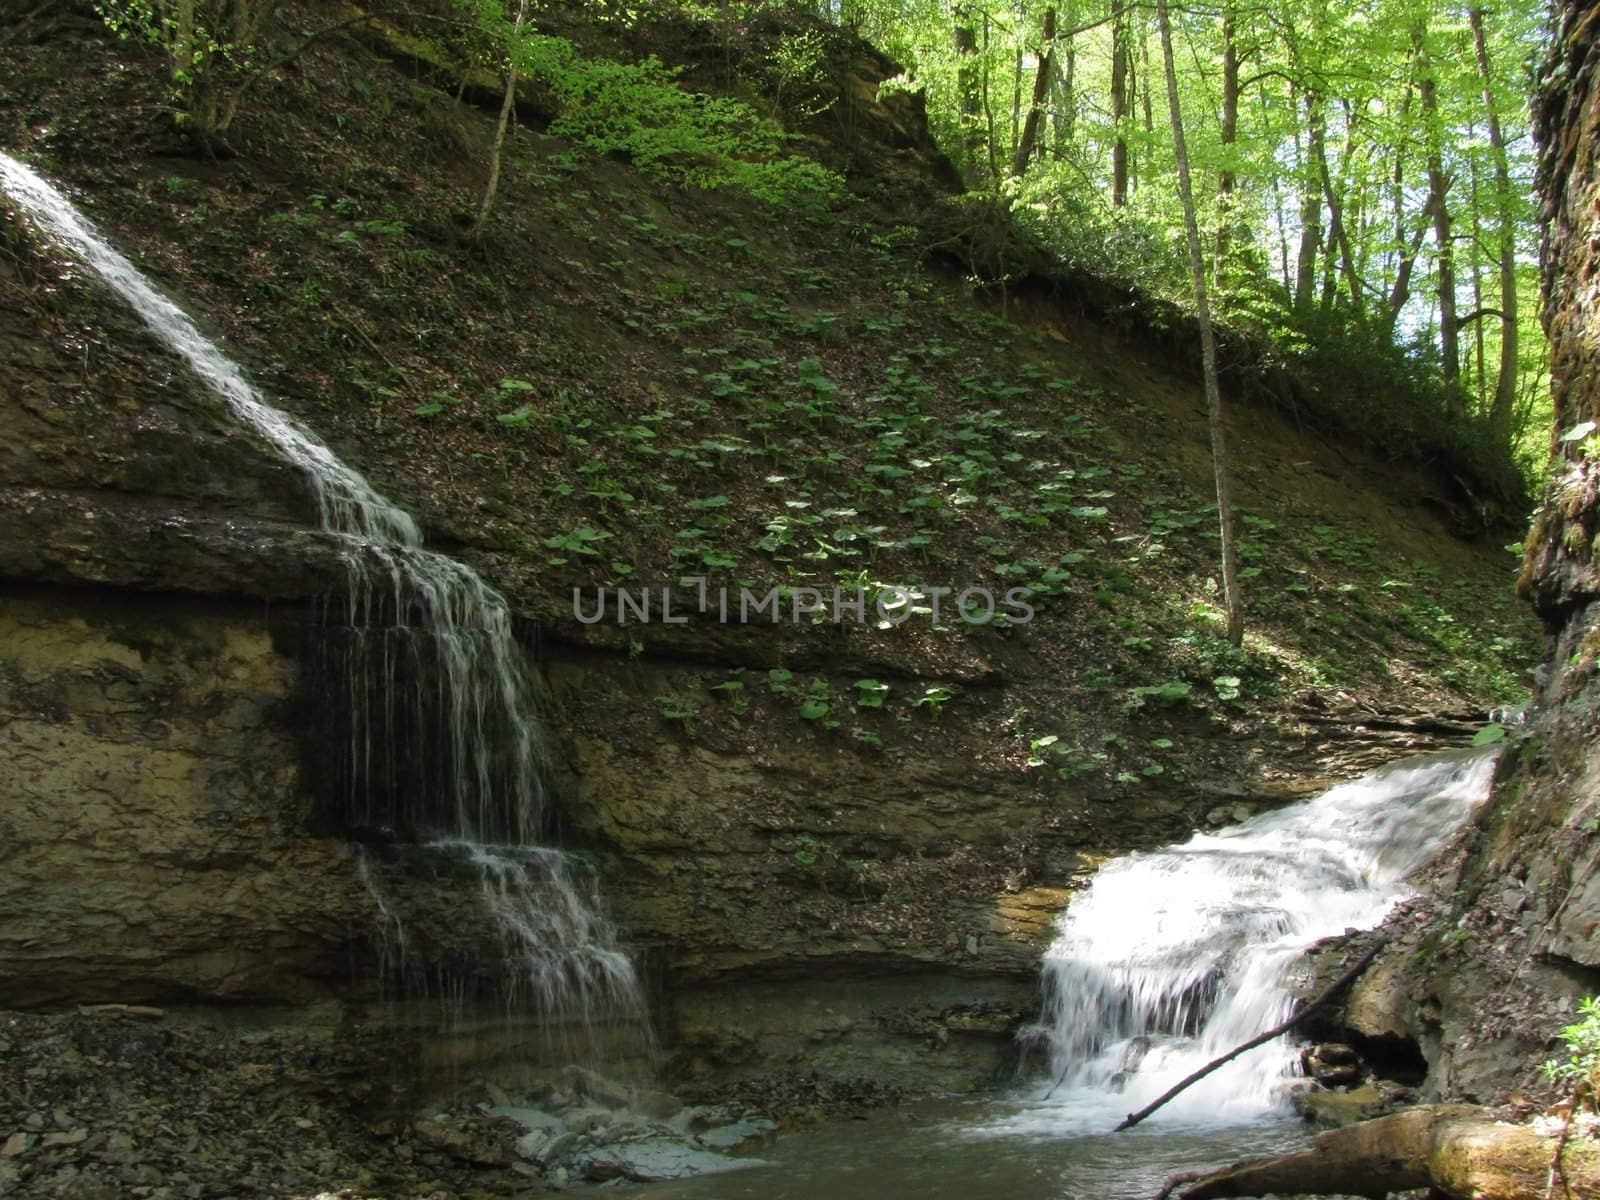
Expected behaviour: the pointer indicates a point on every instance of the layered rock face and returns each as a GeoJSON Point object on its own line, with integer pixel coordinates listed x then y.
{"type": "Point", "coordinates": [151, 784]}
{"type": "Point", "coordinates": [148, 755]}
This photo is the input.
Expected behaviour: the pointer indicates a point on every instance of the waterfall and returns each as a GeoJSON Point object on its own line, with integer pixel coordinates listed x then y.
{"type": "Point", "coordinates": [443, 747]}
{"type": "Point", "coordinates": [1171, 958]}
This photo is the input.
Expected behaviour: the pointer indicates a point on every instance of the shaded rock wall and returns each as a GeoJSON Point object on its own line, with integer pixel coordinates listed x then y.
{"type": "Point", "coordinates": [1486, 971]}
{"type": "Point", "coordinates": [151, 789]}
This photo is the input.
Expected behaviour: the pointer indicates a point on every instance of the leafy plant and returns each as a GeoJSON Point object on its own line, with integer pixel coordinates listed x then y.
{"type": "Point", "coordinates": [671, 133]}
{"type": "Point", "coordinates": [1165, 694]}
{"type": "Point", "coordinates": [870, 693]}
{"type": "Point", "coordinates": [1580, 1068]}
{"type": "Point", "coordinates": [933, 699]}
{"type": "Point", "coordinates": [581, 541]}
{"type": "Point", "coordinates": [818, 701]}
{"type": "Point", "coordinates": [676, 708]}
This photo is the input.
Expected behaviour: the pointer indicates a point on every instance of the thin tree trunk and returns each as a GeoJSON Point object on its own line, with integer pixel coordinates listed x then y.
{"type": "Point", "coordinates": [1305, 277]}
{"type": "Point", "coordinates": [1065, 107]}
{"type": "Point", "coordinates": [1400, 293]}
{"type": "Point", "coordinates": [988, 106]}
{"type": "Point", "coordinates": [1029, 141]}
{"type": "Point", "coordinates": [1016, 105]}
{"type": "Point", "coordinates": [507, 106]}
{"type": "Point", "coordinates": [1278, 210]}
{"type": "Point", "coordinates": [964, 39]}
{"type": "Point", "coordinates": [1119, 102]}
{"type": "Point", "coordinates": [1208, 343]}
{"type": "Point", "coordinates": [1505, 391]}
{"type": "Point", "coordinates": [1229, 134]}
{"type": "Point", "coordinates": [1338, 236]}
{"type": "Point", "coordinates": [1301, 1012]}
{"type": "Point", "coordinates": [1438, 190]}
{"type": "Point", "coordinates": [1480, 376]}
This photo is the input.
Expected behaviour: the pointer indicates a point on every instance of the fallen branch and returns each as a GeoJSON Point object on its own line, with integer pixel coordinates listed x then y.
{"type": "Point", "coordinates": [1299, 1014]}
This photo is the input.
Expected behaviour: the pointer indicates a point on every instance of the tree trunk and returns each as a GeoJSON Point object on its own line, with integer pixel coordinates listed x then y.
{"type": "Point", "coordinates": [1028, 143]}
{"type": "Point", "coordinates": [1119, 102]}
{"type": "Point", "coordinates": [1142, 85]}
{"type": "Point", "coordinates": [1438, 191]}
{"type": "Point", "coordinates": [1505, 391]}
{"type": "Point", "coordinates": [988, 105]}
{"type": "Point", "coordinates": [1461, 1152]}
{"type": "Point", "coordinates": [1229, 134]}
{"type": "Point", "coordinates": [964, 40]}
{"type": "Point", "coordinates": [1305, 276]}
{"type": "Point", "coordinates": [1016, 105]}
{"type": "Point", "coordinates": [1279, 210]}
{"type": "Point", "coordinates": [1338, 236]}
{"type": "Point", "coordinates": [1208, 343]}
{"type": "Point", "coordinates": [507, 105]}
{"type": "Point", "coordinates": [1065, 108]}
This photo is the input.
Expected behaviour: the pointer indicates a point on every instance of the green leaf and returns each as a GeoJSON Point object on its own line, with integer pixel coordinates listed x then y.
{"type": "Point", "coordinates": [1489, 734]}
{"type": "Point", "coordinates": [871, 693]}
{"type": "Point", "coordinates": [814, 709]}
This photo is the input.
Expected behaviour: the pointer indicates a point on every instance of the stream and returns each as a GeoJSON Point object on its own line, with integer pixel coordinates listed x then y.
{"type": "Point", "coordinates": [1008, 1149]}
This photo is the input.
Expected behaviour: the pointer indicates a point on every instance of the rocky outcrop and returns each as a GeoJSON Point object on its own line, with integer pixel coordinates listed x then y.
{"type": "Point", "coordinates": [1484, 972]}
{"type": "Point", "coordinates": [1520, 936]}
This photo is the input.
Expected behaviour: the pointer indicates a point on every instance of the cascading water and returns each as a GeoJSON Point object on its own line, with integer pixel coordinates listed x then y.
{"type": "Point", "coordinates": [1173, 957]}
{"type": "Point", "coordinates": [451, 756]}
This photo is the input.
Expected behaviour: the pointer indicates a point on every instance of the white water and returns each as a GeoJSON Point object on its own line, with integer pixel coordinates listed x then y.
{"type": "Point", "coordinates": [452, 757]}
{"type": "Point", "coordinates": [1171, 958]}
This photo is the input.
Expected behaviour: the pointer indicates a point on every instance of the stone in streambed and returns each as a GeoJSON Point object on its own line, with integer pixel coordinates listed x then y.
{"type": "Point", "coordinates": [740, 1136]}
{"type": "Point", "coordinates": [654, 1160]}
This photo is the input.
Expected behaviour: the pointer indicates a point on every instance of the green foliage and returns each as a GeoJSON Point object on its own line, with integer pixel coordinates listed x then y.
{"type": "Point", "coordinates": [1580, 1068]}
{"type": "Point", "coordinates": [934, 699]}
{"type": "Point", "coordinates": [818, 702]}
{"type": "Point", "coordinates": [1313, 198]}
{"type": "Point", "coordinates": [640, 109]}
{"type": "Point", "coordinates": [1489, 734]}
{"type": "Point", "coordinates": [676, 708]}
{"type": "Point", "coordinates": [209, 45]}
{"type": "Point", "coordinates": [1164, 694]}
{"type": "Point", "coordinates": [870, 693]}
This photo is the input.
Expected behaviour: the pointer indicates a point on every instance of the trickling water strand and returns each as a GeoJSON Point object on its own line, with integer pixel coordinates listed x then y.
{"type": "Point", "coordinates": [391, 929]}
{"type": "Point", "coordinates": [442, 741]}
{"type": "Point", "coordinates": [543, 900]}
{"type": "Point", "coordinates": [1171, 958]}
